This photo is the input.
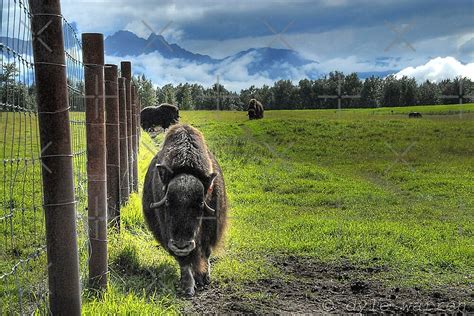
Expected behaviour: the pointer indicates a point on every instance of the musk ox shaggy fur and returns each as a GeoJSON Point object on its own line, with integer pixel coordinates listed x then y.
{"type": "Point", "coordinates": [415, 115]}
{"type": "Point", "coordinates": [185, 203]}
{"type": "Point", "coordinates": [255, 109]}
{"type": "Point", "coordinates": [163, 115]}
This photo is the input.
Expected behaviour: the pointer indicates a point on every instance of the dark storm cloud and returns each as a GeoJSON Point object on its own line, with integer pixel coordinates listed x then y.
{"type": "Point", "coordinates": [345, 35]}
{"type": "Point", "coordinates": [435, 18]}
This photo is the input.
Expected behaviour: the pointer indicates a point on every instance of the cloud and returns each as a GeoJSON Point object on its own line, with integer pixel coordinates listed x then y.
{"type": "Point", "coordinates": [438, 69]}
{"type": "Point", "coordinates": [345, 35]}
{"type": "Point", "coordinates": [143, 29]}
{"type": "Point", "coordinates": [233, 74]}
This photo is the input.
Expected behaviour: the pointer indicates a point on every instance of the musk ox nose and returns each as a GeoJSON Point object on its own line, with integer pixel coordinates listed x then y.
{"type": "Point", "coordinates": [181, 247]}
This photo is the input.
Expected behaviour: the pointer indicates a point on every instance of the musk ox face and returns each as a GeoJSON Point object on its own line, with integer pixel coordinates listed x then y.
{"type": "Point", "coordinates": [251, 114]}
{"type": "Point", "coordinates": [184, 205]}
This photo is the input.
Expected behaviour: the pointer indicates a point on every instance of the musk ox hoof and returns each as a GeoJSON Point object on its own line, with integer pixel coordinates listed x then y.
{"type": "Point", "coordinates": [207, 279]}
{"type": "Point", "coordinates": [189, 292]}
{"type": "Point", "coordinates": [202, 280]}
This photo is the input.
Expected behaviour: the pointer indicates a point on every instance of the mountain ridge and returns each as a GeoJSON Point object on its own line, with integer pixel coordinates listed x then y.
{"type": "Point", "coordinates": [266, 60]}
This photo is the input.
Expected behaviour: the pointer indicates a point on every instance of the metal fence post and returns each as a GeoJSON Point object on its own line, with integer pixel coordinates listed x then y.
{"type": "Point", "coordinates": [112, 143]}
{"type": "Point", "coordinates": [56, 157]}
{"type": "Point", "coordinates": [93, 57]}
{"type": "Point", "coordinates": [126, 68]}
{"type": "Point", "coordinates": [134, 139]}
{"type": "Point", "coordinates": [124, 184]}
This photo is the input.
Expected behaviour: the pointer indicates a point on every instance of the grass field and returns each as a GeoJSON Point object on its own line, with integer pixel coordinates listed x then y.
{"type": "Point", "coordinates": [325, 206]}
{"type": "Point", "coordinates": [376, 199]}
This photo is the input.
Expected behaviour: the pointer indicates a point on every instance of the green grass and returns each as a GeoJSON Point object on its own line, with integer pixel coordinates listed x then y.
{"type": "Point", "coordinates": [326, 185]}
{"type": "Point", "coordinates": [370, 187]}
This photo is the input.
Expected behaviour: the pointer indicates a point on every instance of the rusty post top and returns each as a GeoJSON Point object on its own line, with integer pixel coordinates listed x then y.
{"type": "Point", "coordinates": [126, 68]}
{"type": "Point", "coordinates": [110, 72]}
{"type": "Point", "coordinates": [93, 49]}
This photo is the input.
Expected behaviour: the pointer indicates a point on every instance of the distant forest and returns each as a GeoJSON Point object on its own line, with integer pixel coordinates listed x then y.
{"type": "Point", "coordinates": [321, 93]}
{"type": "Point", "coordinates": [329, 92]}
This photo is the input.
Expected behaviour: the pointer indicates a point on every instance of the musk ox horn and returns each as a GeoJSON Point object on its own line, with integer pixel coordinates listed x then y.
{"type": "Point", "coordinates": [159, 203]}
{"type": "Point", "coordinates": [162, 201]}
{"type": "Point", "coordinates": [164, 166]}
{"type": "Point", "coordinates": [209, 209]}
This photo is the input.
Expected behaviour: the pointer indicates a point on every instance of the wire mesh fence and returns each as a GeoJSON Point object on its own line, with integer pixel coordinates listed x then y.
{"type": "Point", "coordinates": [23, 268]}
{"type": "Point", "coordinates": [23, 263]}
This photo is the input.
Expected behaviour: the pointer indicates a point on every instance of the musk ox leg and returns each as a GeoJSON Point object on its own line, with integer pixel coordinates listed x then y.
{"type": "Point", "coordinates": [187, 279]}
{"type": "Point", "coordinates": [202, 269]}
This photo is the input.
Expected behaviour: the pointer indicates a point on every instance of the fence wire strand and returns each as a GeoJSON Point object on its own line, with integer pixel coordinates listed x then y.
{"type": "Point", "coordinates": [23, 263]}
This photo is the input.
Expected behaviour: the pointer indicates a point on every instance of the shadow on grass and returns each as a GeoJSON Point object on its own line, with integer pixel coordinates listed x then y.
{"type": "Point", "coordinates": [149, 282]}
{"type": "Point", "coordinates": [131, 275]}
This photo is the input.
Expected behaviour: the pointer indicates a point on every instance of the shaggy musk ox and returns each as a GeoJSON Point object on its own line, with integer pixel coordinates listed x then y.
{"type": "Point", "coordinates": [415, 115]}
{"type": "Point", "coordinates": [163, 115]}
{"type": "Point", "coordinates": [255, 110]}
{"type": "Point", "coordinates": [185, 203]}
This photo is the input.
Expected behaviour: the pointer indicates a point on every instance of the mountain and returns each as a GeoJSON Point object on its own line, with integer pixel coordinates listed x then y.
{"type": "Point", "coordinates": [125, 43]}
{"type": "Point", "coordinates": [264, 60]}
{"type": "Point", "coordinates": [268, 62]}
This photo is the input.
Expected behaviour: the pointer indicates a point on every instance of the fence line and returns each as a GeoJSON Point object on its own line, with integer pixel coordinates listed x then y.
{"type": "Point", "coordinates": [23, 285]}
{"type": "Point", "coordinates": [23, 263]}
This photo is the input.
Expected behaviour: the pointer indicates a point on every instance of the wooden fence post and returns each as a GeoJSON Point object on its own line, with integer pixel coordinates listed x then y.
{"type": "Point", "coordinates": [112, 143]}
{"type": "Point", "coordinates": [134, 139]}
{"type": "Point", "coordinates": [124, 177]}
{"type": "Point", "coordinates": [56, 158]}
{"type": "Point", "coordinates": [126, 68]}
{"type": "Point", "coordinates": [93, 57]}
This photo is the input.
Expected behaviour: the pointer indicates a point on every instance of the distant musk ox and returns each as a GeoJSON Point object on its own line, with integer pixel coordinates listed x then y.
{"type": "Point", "coordinates": [163, 115]}
{"type": "Point", "coordinates": [415, 115]}
{"type": "Point", "coordinates": [185, 203]}
{"type": "Point", "coordinates": [255, 109]}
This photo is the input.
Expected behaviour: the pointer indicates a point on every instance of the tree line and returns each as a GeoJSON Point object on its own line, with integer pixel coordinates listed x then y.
{"type": "Point", "coordinates": [322, 93]}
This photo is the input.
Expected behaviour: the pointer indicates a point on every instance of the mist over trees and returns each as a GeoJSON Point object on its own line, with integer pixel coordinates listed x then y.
{"type": "Point", "coordinates": [321, 93]}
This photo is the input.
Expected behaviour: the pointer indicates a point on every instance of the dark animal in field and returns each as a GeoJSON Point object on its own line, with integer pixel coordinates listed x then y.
{"type": "Point", "coordinates": [163, 115]}
{"type": "Point", "coordinates": [415, 115]}
{"type": "Point", "coordinates": [185, 203]}
{"type": "Point", "coordinates": [255, 109]}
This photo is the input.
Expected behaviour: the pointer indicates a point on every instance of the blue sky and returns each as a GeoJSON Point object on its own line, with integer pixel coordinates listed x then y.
{"type": "Point", "coordinates": [356, 35]}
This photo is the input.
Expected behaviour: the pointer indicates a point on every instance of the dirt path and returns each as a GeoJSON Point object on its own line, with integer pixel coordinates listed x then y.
{"type": "Point", "coordinates": [310, 287]}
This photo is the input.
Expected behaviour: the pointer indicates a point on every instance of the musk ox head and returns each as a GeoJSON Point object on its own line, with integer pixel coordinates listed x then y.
{"type": "Point", "coordinates": [184, 206]}
{"type": "Point", "coordinates": [252, 109]}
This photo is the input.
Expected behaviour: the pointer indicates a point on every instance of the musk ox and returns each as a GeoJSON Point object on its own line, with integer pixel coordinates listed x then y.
{"type": "Point", "coordinates": [163, 115]}
{"type": "Point", "coordinates": [415, 115]}
{"type": "Point", "coordinates": [185, 203]}
{"type": "Point", "coordinates": [255, 109]}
